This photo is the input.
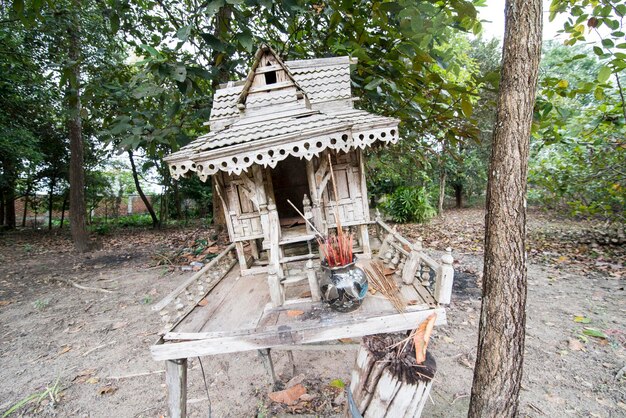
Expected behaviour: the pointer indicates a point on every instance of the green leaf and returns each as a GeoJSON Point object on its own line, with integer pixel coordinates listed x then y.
{"type": "Point", "coordinates": [608, 43]}
{"type": "Point", "coordinates": [604, 74]}
{"type": "Point", "coordinates": [179, 73]}
{"type": "Point", "coordinates": [149, 49]}
{"type": "Point", "coordinates": [183, 33]}
{"type": "Point", "coordinates": [598, 51]}
{"type": "Point", "coordinates": [582, 319]}
{"type": "Point", "coordinates": [598, 93]}
{"type": "Point", "coordinates": [337, 383]}
{"type": "Point", "coordinates": [246, 41]}
{"type": "Point", "coordinates": [373, 84]}
{"type": "Point", "coordinates": [592, 332]}
{"type": "Point", "coordinates": [115, 23]}
{"type": "Point", "coordinates": [213, 42]}
{"type": "Point", "coordinates": [466, 107]}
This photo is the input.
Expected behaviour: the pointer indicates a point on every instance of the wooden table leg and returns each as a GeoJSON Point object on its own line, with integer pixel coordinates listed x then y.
{"type": "Point", "coordinates": [266, 357]}
{"type": "Point", "coordinates": [176, 381]}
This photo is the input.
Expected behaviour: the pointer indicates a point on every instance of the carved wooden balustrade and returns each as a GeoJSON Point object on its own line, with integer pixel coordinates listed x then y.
{"type": "Point", "coordinates": [185, 297]}
{"type": "Point", "coordinates": [412, 263]}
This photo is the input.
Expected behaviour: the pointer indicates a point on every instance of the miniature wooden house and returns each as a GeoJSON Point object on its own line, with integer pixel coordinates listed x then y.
{"type": "Point", "coordinates": [270, 141]}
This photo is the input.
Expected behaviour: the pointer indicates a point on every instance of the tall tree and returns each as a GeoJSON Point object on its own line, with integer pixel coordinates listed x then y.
{"type": "Point", "coordinates": [498, 371]}
{"type": "Point", "coordinates": [78, 225]}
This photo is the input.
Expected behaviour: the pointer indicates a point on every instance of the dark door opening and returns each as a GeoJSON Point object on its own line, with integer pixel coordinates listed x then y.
{"type": "Point", "coordinates": [290, 183]}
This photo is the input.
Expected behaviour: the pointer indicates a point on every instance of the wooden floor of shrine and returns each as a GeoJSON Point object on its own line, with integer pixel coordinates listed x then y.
{"type": "Point", "coordinates": [237, 316]}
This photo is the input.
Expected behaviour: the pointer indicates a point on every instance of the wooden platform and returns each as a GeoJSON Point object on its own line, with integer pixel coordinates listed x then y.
{"type": "Point", "coordinates": [237, 316]}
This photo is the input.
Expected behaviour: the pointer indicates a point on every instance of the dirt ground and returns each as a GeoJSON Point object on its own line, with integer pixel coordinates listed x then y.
{"type": "Point", "coordinates": [87, 350]}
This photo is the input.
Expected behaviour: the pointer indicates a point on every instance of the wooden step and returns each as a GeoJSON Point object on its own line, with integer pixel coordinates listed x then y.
{"type": "Point", "coordinates": [293, 280]}
{"type": "Point", "coordinates": [294, 258]}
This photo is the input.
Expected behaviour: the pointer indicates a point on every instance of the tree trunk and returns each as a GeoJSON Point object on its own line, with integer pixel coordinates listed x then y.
{"type": "Point", "coordinates": [63, 207]}
{"type": "Point", "coordinates": [458, 195]}
{"type": "Point", "coordinates": [2, 207]}
{"type": "Point", "coordinates": [25, 208]}
{"type": "Point", "coordinates": [442, 179]}
{"type": "Point", "coordinates": [222, 26]}
{"type": "Point", "coordinates": [51, 201]}
{"type": "Point", "coordinates": [78, 226]}
{"type": "Point", "coordinates": [9, 208]}
{"type": "Point", "coordinates": [498, 371]}
{"type": "Point", "coordinates": [144, 199]}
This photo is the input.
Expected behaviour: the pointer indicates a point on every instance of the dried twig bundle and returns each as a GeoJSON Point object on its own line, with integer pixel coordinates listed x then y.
{"type": "Point", "coordinates": [385, 285]}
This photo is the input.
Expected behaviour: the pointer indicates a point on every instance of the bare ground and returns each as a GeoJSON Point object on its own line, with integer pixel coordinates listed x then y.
{"type": "Point", "coordinates": [94, 345]}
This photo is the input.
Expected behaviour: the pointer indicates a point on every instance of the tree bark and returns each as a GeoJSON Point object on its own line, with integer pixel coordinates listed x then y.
{"type": "Point", "coordinates": [144, 199]}
{"type": "Point", "coordinates": [51, 201]}
{"type": "Point", "coordinates": [222, 26]}
{"type": "Point", "coordinates": [63, 207]}
{"type": "Point", "coordinates": [9, 207]}
{"type": "Point", "coordinates": [442, 179]}
{"type": "Point", "coordinates": [78, 226]}
{"type": "Point", "coordinates": [1, 206]}
{"type": "Point", "coordinates": [498, 371]}
{"type": "Point", "coordinates": [458, 195]}
{"type": "Point", "coordinates": [25, 208]}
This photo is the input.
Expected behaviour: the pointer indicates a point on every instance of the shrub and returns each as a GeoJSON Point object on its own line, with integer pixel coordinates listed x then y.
{"type": "Point", "coordinates": [409, 204]}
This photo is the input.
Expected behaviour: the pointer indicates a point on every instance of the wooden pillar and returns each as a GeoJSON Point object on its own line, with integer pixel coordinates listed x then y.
{"type": "Point", "coordinates": [313, 284]}
{"type": "Point", "coordinates": [277, 294]}
{"type": "Point", "coordinates": [316, 211]}
{"type": "Point", "coordinates": [241, 256]}
{"type": "Point", "coordinates": [412, 263]}
{"type": "Point", "coordinates": [176, 382]}
{"type": "Point", "coordinates": [445, 278]}
{"type": "Point", "coordinates": [274, 239]}
{"type": "Point", "coordinates": [365, 241]}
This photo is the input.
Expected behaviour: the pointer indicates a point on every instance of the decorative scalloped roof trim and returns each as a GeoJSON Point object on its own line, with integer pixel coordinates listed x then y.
{"type": "Point", "coordinates": [270, 156]}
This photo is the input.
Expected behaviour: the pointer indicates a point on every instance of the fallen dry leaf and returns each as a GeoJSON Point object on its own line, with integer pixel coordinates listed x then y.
{"type": "Point", "coordinates": [92, 380]}
{"type": "Point", "coordinates": [203, 302]}
{"type": "Point", "coordinates": [107, 390]}
{"type": "Point", "coordinates": [288, 396]}
{"type": "Point", "coordinates": [5, 302]}
{"type": "Point", "coordinates": [346, 340]}
{"type": "Point", "coordinates": [83, 375]}
{"type": "Point", "coordinates": [575, 345]}
{"type": "Point", "coordinates": [295, 312]}
{"type": "Point", "coordinates": [64, 349]}
{"type": "Point", "coordinates": [389, 272]}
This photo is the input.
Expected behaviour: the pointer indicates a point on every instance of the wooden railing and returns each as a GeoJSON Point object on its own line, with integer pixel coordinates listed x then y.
{"type": "Point", "coordinates": [176, 305]}
{"type": "Point", "coordinates": [414, 264]}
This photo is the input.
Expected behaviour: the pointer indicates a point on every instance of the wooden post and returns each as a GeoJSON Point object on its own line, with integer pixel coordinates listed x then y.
{"type": "Point", "coordinates": [276, 290]}
{"type": "Point", "coordinates": [274, 241]}
{"type": "Point", "coordinates": [241, 256]}
{"type": "Point", "coordinates": [387, 382]}
{"type": "Point", "coordinates": [308, 215]}
{"type": "Point", "coordinates": [313, 284]}
{"type": "Point", "coordinates": [412, 263]}
{"type": "Point", "coordinates": [176, 382]}
{"type": "Point", "coordinates": [266, 358]}
{"type": "Point", "coordinates": [445, 278]}
{"type": "Point", "coordinates": [365, 241]}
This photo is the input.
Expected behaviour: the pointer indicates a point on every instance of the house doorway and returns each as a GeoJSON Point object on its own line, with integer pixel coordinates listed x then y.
{"type": "Point", "coordinates": [290, 182]}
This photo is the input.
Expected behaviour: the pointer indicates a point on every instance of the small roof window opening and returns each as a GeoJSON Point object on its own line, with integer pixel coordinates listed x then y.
{"type": "Point", "coordinates": [270, 76]}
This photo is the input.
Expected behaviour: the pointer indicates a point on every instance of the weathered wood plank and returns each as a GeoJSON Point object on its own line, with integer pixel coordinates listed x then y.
{"type": "Point", "coordinates": [302, 334]}
{"type": "Point", "coordinates": [170, 297]}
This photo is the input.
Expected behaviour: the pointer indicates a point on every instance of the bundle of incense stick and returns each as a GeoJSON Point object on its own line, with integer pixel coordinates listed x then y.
{"type": "Point", "coordinates": [385, 285]}
{"type": "Point", "coordinates": [337, 249]}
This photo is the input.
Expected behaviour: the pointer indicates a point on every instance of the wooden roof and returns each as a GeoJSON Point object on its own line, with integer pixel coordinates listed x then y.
{"type": "Point", "coordinates": [309, 109]}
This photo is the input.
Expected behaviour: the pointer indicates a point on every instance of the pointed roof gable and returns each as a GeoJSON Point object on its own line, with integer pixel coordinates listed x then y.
{"type": "Point", "coordinates": [268, 72]}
